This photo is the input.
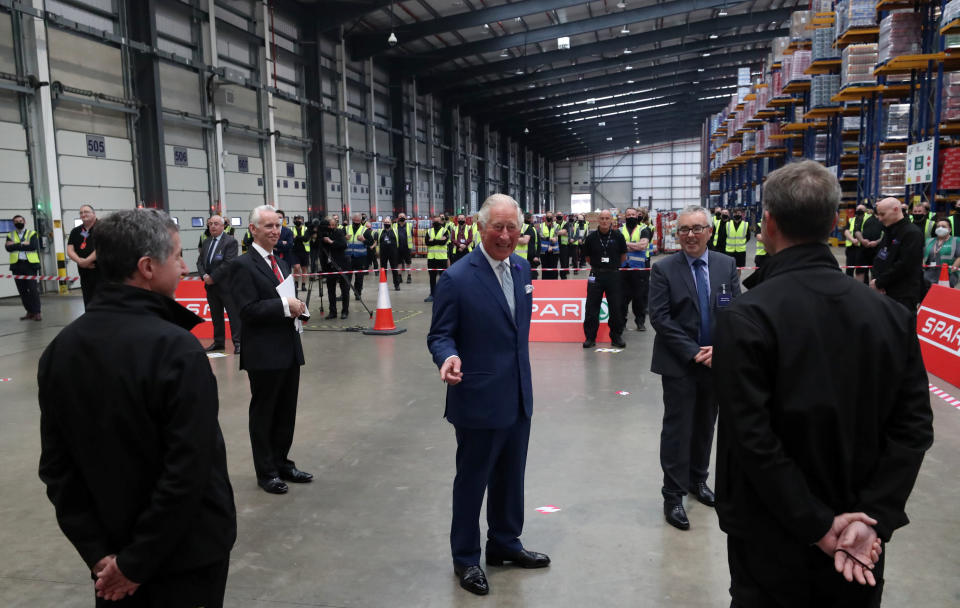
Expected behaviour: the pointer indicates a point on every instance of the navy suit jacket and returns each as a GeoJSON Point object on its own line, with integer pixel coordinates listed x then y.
{"type": "Point", "coordinates": [471, 320]}
{"type": "Point", "coordinates": [269, 340]}
{"type": "Point", "coordinates": [675, 309]}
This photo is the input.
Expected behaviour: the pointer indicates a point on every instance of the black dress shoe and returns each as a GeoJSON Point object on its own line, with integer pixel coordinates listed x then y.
{"type": "Point", "coordinates": [641, 327]}
{"type": "Point", "coordinates": [296, 475]}
{"type": "Point", "coordinates": [236, 349]}
{"type": "Point", "coordinates": [473, 579]}
{"type": "Point", "coordinates": [332, 315]}
{"type": "Point", "coordinates": [408, 279]}
{"type": "Point", "coordinates": [344, 314]}
{"type": "Point", "coordinates": [522, 558]}
{"type": "Point", "coordinates": [214, 348]}
{"type": "Point", "coordinates": [676, 516]}
{"type": "Point", "coordinates": [618, 342]}
{"type": "Point", "coordinates": [589, 343]}
{"type": "Point", "coordinates": [704, 494]}
{"type": "Point", "coordinates": [273, 486]}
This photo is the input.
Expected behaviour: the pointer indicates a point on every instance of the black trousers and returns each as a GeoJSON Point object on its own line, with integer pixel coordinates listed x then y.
{"type": "Point", "coordinates": [689, 419]}
{"type": "Point", "coordinates": [852, 258]}
{"type": "Point", "coordinates": [549, 263]}
{"type": "Point", "coordinates": [739, 256]}
{"type": "Point", "coordinates": [390, 256]}
{"type": "Point", "coordinates": [343, 280]}
{"type": "Point", "coordinates": [779, 575]}
{"type": "Point", "coordinates": [435, 266]}
{"type": "Point", "coordinates": [564, 259]}
{"type": "Point", "coordinates": [89, 279]}
{"type": "Point", "coordinates": [603, 282]}
{"type": "Point", "coordinates": [760, 260]}
{"type": "Point", "coordinates": [219, 300]}
{"type": "Point", "coordinates": [28, 289]}
{"type": "Point", "coordinates": [199, 588]}
{"type": "Point", "coordinates": [359, 263]}
{"type": "Point", "coordinates": [491, 461]}
{"type": "Point", "coordinates": [636, 286]}
{"type": "Point", "coordinates": [273, 415]}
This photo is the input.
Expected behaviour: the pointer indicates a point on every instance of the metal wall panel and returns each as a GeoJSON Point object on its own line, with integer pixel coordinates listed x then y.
{"type": "Point", "coordinates": [189, 190]}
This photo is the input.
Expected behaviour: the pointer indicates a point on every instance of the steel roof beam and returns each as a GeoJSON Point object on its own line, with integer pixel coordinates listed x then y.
{"type": "Point", "coordinates": [450, 78]}
{"type": "Point", "coordinates": [479, 102]}
{"type": "Point", "coordinates": [429, 59]}
{"type": "Point", "coordinates": [365, 45]}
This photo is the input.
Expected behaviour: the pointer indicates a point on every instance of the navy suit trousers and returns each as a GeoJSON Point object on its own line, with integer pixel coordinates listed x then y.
{"type": "Point", "coordinates": [491, 460]}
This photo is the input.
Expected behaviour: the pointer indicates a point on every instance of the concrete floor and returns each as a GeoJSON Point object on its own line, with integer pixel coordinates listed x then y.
{"type": "Point", "coordinates": [372, 530]}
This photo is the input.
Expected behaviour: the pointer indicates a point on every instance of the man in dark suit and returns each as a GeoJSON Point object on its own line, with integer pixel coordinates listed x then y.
{"type": "Point", "coordinates": [213, 265]}
{"type": "Point", "coordinates": [687, 291]}
{"type": "Point", "coordinates": [271, 352]}
{"type": "Point", "coordinates": [820, 440]}
{"type": "Point", "coordinates": [479, 340]}
{"type": "Point", "coordinates": [134, 460]}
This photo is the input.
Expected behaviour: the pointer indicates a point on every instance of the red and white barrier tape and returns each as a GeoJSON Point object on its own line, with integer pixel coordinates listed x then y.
{"type": "Point", "coordinates": [937, 392]}
{"type": "Point", "coordinates": [34, 277]}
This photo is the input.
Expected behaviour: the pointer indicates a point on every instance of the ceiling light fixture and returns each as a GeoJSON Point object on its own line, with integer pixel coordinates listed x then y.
{"type": "Point", "coordinates": [629, 67]}
{"type": "Point", "coordinates": [699, 69]}
{"type": "Point", "coordinates": [714, 36]}
{"type": "Point", "coordinates": [621, 5]}
{"type": "Point", "coordinates": [625, 30]}
{"type": "Point", "coordinates": [705, 55]}
{"type": "Point", "coordinates": [526, 131]}
{"type": "Point", "coordinates": [504, 53]}
{"type": "Point", "coordinates": [601, 124]}
{"type": "Point", "coordinates": [722, 12]}
{"type": "Point", "coordinates": [609, 139]}
{"type": "Point", "coordinates": [627, 51]}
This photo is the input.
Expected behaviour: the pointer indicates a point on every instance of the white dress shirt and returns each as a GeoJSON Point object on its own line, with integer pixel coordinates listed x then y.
{"type": "Point", "coordinates": [264, 253]}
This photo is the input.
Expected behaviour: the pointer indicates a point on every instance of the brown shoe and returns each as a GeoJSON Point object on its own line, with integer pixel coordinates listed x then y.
{"type": "Point", "coordinates": [27, 316]}
{"type": "Point", "coordinates": [37, 317]}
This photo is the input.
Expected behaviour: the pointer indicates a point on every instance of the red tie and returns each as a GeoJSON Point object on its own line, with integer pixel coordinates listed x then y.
{"type": "Point", "coordinates": [276, 269]}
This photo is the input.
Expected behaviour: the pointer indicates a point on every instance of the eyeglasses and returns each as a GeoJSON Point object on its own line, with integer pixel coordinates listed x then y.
{"type": "Point", "coordinates": [685, 230]}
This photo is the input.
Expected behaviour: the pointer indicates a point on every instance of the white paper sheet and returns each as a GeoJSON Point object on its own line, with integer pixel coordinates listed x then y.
{"type": "Point", "coordinates": [287, 289]}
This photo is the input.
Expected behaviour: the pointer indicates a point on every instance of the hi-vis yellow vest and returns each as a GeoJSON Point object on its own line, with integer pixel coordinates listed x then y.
{"type": "Point", "coordinates": [761, 248]}
{"type": "Point", "coordinates": [736, 237]}
{"type": "Point", "coordinates": [301, 231]}
{"type": "Point", "coordinates": [32, 256]}
{"type": "Point", "coordinates": [436, 252]}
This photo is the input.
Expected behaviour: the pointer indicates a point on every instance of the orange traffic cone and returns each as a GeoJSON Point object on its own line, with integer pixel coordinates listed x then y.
{"type": "Point", "coordinates": [383, 325]}
{"type": "Point", "coordinates": [944, 277]}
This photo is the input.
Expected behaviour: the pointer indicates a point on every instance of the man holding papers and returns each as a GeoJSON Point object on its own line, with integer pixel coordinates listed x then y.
{"type": "Point", "coordinates": [270, 352]}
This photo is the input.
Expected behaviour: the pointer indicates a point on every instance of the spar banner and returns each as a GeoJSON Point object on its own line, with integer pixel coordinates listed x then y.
{"type": "Point", "coordinates": [558, 312]}
{"type": "Point", "coordinates": [192, 296]}
{"type": "Point", "coordinates": [938, 328]}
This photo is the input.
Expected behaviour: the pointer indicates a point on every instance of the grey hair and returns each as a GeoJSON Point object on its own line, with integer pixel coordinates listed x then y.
{"type": "Point", "coordinates": [257, 211]}
{"type": "Point", "coordinates": [803, 198]}
{"type": "Point", "coordinates": [124, 237]}
{"type": "Point", "coordinates": [89, 206]}
{"type": "Point", "coordinates": [483, 216]}
{"type": "Point", "coordinates": [692, 209]}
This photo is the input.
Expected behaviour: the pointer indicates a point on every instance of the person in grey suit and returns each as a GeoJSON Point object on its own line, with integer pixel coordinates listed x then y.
{"type": "Point", "coordinates": [213, 266]}
{"type": "Point", "coordinates": [687, 291]}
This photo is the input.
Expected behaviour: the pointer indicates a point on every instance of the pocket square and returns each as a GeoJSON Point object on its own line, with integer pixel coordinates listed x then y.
{"type": "Point", "coordinates": [528, 288]}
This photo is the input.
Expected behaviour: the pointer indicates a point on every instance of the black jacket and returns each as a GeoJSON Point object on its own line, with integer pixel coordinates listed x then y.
{"type": "Point", "coordinates": [824, 405]}
{"type": "Point", "coordinates": [219, 267]}
{"type": "Point", "coordinates": [269, 340]}
{"type": "Point", "coordinates": [898, 265]}
{"type": "Point", "coordinates": [337, 251]}
{"type": "Point", "coordinates": [131, 450]}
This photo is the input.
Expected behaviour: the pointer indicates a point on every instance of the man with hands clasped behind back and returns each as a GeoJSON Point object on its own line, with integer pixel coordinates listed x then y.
{"type": "Point", "coordinates": [820, 440]}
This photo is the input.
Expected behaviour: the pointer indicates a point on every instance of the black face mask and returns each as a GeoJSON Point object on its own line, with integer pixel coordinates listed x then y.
{"type": "Point", "coordinates": [860, 212]}
{"type": "Point", "coordinates": [462, 222]}
{"type": "Point", "coordinates": [549, 220]}
{"type": "Point", "coordinates": [631, 223]}
{"type": "Point", "coordinates": [738, 217]}
{"type": "Point", "coordinates": [401, 220]}
{"type": "Point", "coordinates": [298, 223]}
{"type": "Point", "coordinates": [726, 217]}
{"type": "Point", "coordinates": [437, 224]}
{"type": "Point", "coordinates": [19, 226]}
{"type": "Point", "coordinates": [717, 215]}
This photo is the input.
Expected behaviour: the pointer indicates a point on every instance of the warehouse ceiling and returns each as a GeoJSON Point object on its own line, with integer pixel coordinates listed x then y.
{"type": "Point", "coordinates": [635, 71]}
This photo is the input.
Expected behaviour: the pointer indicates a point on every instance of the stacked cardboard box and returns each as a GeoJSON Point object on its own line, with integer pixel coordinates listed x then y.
{"type": "Point", "coordinates": [898, 121]}
{"type": "Point", "coordinates": [823, 44]}
{"type": "Point", "coordinates": [950, 169]}
{"type": "Point", "coordinates": [856, 64]}
{"type": "Point", "coordinates": [822, 89]}
{"type": "Point", "coordinates": [899, 35]}
{"type": "Point", "coordinates": [893, 173]}
{"type": "Point", "coordinates": [798, 26]}
{"type": "Point", "coordinates": [950, 110]}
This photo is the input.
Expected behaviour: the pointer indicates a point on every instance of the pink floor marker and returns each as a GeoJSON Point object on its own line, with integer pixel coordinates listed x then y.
{"type": "Point", "coordinates": [6, 379]}
{"type": "Point", "coordinates": [623, 393]}
{"type": "Point", "coordinates": [548, 509]}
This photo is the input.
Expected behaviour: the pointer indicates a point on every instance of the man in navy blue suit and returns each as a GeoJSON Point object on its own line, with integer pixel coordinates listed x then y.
{"type": "Point", "coordinates": [479, 340]}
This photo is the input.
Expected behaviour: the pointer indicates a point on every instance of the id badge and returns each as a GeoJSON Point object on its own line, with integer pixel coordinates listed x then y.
{"type": "Point", "coordinates": [723, 300]}
{"type": "Point", "coordinates": [591, 279]}
{"type": "Point", "coordinates": [604, 260]}
{"type": "Point", "coordinates": [882, 254]}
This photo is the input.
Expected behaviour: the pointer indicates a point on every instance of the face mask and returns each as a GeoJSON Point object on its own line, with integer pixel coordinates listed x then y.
{"type": "Point", "coordinates": [386, 226]}
{"type": "Point", "coordinates": [401, 220]}
{"type": "Point", "coordinates": [462, 222]}
{"type": "Point", "coordinates": [437, 224]}
{"type": "Point", "coordinates": [19, 225]}
{"type": "Point", "coordinates": [738, 217]}
{"type": "Point", "coordinates": [549, 220]}
{"type": "Point", "coordinates": [943, 232]}
{"type": "Point", "coordinates": [298, 223]}
{"type": "Point", "coordinates": [725, 216]}
{"type": "Point", "coordinates": [631, 223]}
{"type": "Point", "coordinates": [860, 212]}
{"type": "Point", "coordinates": [717, 215]}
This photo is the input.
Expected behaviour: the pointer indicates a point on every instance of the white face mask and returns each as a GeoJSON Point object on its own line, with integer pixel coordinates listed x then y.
{"type": "Point", "coordinates": [942, 232]}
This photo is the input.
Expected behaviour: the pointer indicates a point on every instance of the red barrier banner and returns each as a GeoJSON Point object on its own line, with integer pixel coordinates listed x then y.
{"type": "Point", "coordinates": [192, 296]}
{"type": "Point", "coordinates": [558, 311]}
{"type": "Point", "coordinates": [938, 328]}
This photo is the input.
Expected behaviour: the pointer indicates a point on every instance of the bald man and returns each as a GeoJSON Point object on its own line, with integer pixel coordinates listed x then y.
{"type": "Point", "coordinates": [898, 265]}
{"type": "Point", "coordinates": [213, 265]}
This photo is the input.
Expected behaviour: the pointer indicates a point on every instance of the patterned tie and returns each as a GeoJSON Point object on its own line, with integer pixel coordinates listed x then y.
{"type": "Point", "coordinates": [703, 295]}
{"type": "Point", "coordinates": [213, 248]}
{"type": "Point", "coordinates": [506, 283]}
{"type": "Point", "coordinates": [276, 269]}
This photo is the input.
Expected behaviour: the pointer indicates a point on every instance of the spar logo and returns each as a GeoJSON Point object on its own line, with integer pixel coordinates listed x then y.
{"type": "Point", "coordinates": [940, 330]}
{"type": "Point", "coordinates": [564, 310]}
{"type": "Point", "coordinates": [201, 308]}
